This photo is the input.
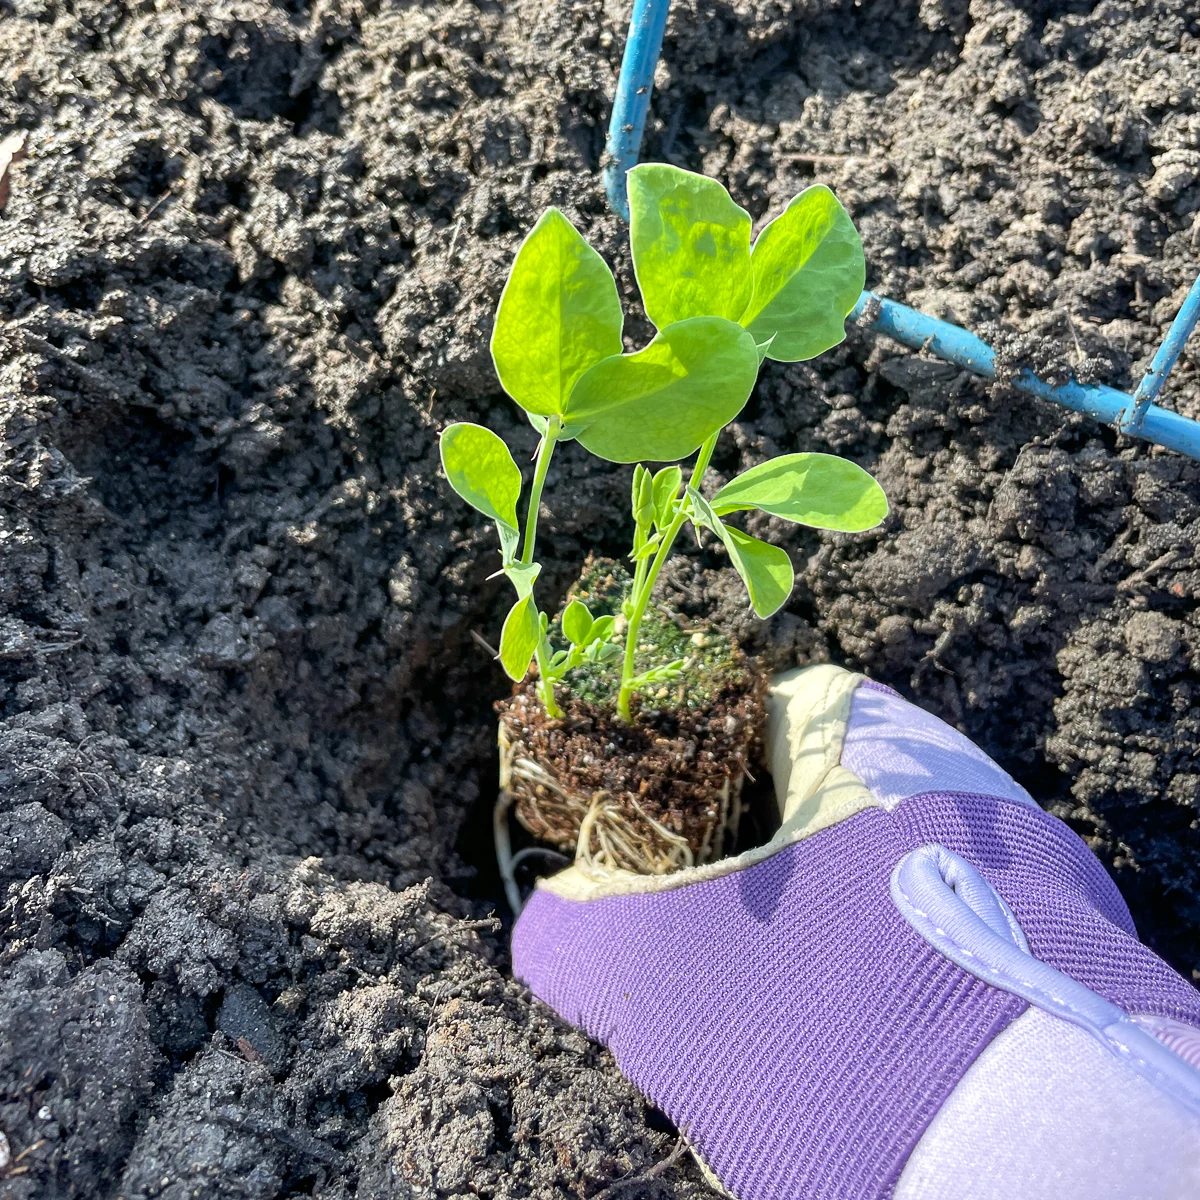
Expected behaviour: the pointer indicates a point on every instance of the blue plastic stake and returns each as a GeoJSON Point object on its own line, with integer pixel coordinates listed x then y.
{"type": "Point", "coordinates": [632, 102]}
{"type": "Point", "coordinates": [1163, 361]}
{"type": "Point", "coordinates": [964, 349]}
{"type": "Point", "coordinates": [1136, 415]}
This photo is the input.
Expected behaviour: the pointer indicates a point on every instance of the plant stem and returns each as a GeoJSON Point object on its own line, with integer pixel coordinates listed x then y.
{"type": "Point", "coordinates": [641, 595]}
{"type": "Point", "coordinates": [702, 460]}
{"type": "Point", "coordinates": [635, 621]}
{"type": "Point", "coordinates": [545, 452]}
{"type": "Point", "coordinates": [639, 577]}
{"type": "Point", "coordinates": [545, 685]}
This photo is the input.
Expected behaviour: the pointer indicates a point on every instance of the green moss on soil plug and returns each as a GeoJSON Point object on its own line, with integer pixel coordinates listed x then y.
{"type": "Point", "coordinates": [712, 663]}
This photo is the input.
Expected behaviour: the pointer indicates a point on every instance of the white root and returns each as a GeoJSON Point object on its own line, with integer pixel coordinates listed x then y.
{"type": "Point", "coordinates": [563, 860]}
{"type": "Point", "coordinates": [504, 855]}
{"type": "Point", "coordinates": [611, 836]}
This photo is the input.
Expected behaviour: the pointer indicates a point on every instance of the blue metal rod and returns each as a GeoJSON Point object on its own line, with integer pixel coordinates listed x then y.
{"type": "Point", "coordinates": [964, 349]}
{"type": "Point", "coordinates": [632, 101]}
{"type": "Point", "coordinates": [1164, 360]}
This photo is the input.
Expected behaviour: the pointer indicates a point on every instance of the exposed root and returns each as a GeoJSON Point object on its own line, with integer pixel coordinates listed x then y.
{"type": "Point", "coordinates": [619, 842]}
{"type": "Point", "coordinates": [561, 860]}
{"type": "Point", "coordinates": [504, 855]}
{"type": "Point", "coordinates": [615, 832]}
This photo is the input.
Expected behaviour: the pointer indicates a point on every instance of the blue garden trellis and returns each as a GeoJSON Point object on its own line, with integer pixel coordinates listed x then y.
{"type": "Point", "coordinates": [1136, 415]}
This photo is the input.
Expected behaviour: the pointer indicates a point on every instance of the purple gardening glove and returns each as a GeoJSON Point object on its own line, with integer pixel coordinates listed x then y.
{"type": "Point", "coordinates": [924, 987]}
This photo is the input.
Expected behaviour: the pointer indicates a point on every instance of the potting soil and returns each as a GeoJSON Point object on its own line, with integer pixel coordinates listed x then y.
{"type": "Point", "coordinates": [668, 786]}
{"type": "Point", "coordinates": [246, 746]}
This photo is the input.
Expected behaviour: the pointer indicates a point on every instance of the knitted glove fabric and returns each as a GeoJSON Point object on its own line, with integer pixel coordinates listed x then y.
{"type": "Point", "coordinates": [921, 988]}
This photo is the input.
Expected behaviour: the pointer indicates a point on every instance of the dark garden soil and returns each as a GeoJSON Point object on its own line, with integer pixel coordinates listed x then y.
{"type": "Point", "coordinates": [247, 748]}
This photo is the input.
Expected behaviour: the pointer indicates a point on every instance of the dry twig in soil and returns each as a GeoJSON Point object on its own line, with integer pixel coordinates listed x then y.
{"type": "Point", "coordinates": [659, 1168]}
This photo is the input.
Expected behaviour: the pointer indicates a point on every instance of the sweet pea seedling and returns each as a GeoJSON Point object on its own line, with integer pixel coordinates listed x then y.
{"type": "Point", "coordinates": [720, 305]}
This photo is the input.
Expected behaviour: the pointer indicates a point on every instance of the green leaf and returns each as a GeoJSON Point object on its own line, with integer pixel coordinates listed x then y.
{"type": "Point", "coordinates": [663, 401]}
{"type": "Point", "coordinates": [519, 638]}
{"type": "Point", "coordinates": [565, 434]}
{"type": "Point", "coordinates": [510, 540]}
{"type": "Point", "coordinates": [559, 313]}
{"type": "Point", "coordinates": [821, 490]}
{"type": "Point", "coordinates": [577, 623]}
{"type": "Point", "coordinates": [691, 245]}
{"type": "Point", "coordinates": [809, 271]}
{"type": "Point", "coordinates": [523, 576]}
{"type": "Point", "coordinates": [481, 470]}
{"type": "Point", "coordinates": [644, 512]}
{"type": "Point", "coordinates": [642, 498]}
{"type": "Point", "coordinates": [766, 570]}
{"type": "Point", "coordinates": [666, 488]}
{"type": "Point", "coordinates": [602, 652]}
{"type": "Point", "coordinates": [667, 673]}
{"type": "Point", "coordinates": [648, 549]}
{"type": "Point", "coordinates": [602, 629]}
{"type": "Point", "coordinates": [701, 512]}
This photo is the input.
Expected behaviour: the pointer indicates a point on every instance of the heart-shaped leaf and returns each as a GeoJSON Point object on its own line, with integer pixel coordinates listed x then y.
{"type": "Point", "coordinates": [662, 402]}
{"type": "Point", "coordinates": [809, 271]}
{"type": "Point", "coordinates": [766, 570]}
{"type": "Point", "coordinates": [577, 623]}
{"type": "Point", "coordinates": [481, 470]}
{"type": "Point", "coordinates": [559, 313]}
{"type": "Point", "coordinates": [691, 245]}
{"type": "Point", "coordinates": [519, 638]}
{"type": "Point", "coordinates": [821, 490]}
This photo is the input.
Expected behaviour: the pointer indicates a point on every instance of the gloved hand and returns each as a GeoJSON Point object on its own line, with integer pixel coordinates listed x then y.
{"type": "Point", "coordinates": [924, 987]}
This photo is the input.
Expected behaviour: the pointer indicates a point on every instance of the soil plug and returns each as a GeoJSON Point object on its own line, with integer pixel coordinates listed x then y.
{"type": "Point", "coordinates": [591, 765]}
